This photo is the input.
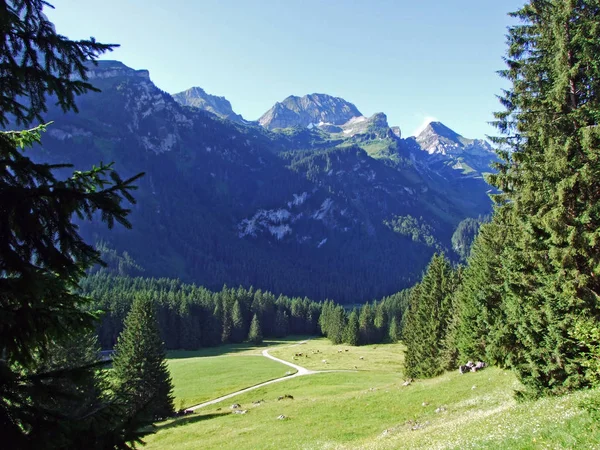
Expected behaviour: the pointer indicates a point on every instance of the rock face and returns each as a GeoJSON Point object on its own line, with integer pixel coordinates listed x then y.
{"type": "Point", "coordinates": [309, 111]}
{"type": "Point", "coordinates": [198, 98]}
{"type": "Point", "coordinates": [111, 69]}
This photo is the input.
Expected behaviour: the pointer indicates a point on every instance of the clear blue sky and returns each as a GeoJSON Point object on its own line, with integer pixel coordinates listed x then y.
{"type": "Point", "coordinates": [412, 60]}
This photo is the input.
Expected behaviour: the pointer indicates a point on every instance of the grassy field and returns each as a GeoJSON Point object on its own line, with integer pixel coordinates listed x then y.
{"type": "Point", "coordinates": [210, 373]}
{"type": "Point", "coordinates": [373, 358]}
{"type": "Point", "coordinates": [370, 408]}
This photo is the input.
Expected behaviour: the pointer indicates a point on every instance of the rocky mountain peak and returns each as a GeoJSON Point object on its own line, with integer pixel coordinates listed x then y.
{"type": "Point", "coordinates": [308, 111]}
{"type": "Point", "coordinates": [437, 138]}
{"type": "Point", "coordinates": [199, 98]}
{"type": "Point", "coordinates": [113, 69]}
{"type": "Point", "coordinates": [441, 130]}
{"type": "Point", "coordinates": [379, 120]}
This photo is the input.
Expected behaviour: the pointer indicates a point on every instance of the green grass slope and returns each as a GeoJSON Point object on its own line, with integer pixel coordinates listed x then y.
{"type": "Point", "coordinates": [369, 407]}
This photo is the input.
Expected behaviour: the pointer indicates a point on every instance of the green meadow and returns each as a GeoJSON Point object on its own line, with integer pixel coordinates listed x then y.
{"type": "Point", "coordinates": [366, 406]}
{"type": "Point", "coordinates": [199, 376]}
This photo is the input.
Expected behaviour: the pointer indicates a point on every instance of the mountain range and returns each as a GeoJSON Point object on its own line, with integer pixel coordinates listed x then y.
{"type": "Point", "coordinates": [312, 199]}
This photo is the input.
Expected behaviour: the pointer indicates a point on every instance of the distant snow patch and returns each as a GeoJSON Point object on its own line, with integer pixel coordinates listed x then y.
{"type": "Point", "coordinates": [271, 220]}
{"type": "Point", "coordinates": [298, 199]}
{"type": "Point", "coordinates": [280, 231]}
{"type": "Point", "coordinates": [322, 212]}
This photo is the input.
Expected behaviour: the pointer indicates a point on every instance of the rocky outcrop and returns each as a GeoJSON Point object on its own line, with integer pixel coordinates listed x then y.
{"type": "Point", "coordinates": [309, 111]}
{"type": "Point", "coordinates": [376, 125]}
{"type": "Point", "coordinates": [111, 69]}
{"type": "Point", "coordinates": [198, 98]}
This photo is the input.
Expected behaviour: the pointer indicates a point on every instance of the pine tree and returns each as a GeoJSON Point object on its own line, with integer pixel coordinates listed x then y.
{"type": "Point", "coordinates": [237, 323]}
{"type": "Point", "coordinates": [352, 334]}
{"type": "Point", "coordinates": [139, 364]}
{"type": "Point", "coordinates": [326, 314]}
{"type": "Point", "coordinates": [255, 335]}
{"type": "Point", "coordinates": [427, 319]}
{"type": "Point", "coordinates": [337, 325]}
{"type": "Point", "coordinates": [366, 324]}
{"type": "Point", "coordinates": [227, 323]}
{"type": "Point", "coordinates": [42, 256]}
{"type": "Point", "coordinates": [282, 323]}
{"type": "Point", "coordinates": [394, 333]}
{"type": "Point", "coordinates": [482, 330]}
{"type": "Point", "coordinates": [380, 322]}
{"type": "Point", "coordinates": [550, 186]}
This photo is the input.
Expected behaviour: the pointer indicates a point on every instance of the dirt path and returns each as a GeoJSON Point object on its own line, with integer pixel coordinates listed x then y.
{"type": "Point", "coordinates": [301, 371]}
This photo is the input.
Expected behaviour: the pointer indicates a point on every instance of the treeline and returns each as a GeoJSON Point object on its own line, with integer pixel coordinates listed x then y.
{"type": "Point", "coordinates": [529, 298]}
{"type": "Point", "coordinates": [373, 323]}
{"type": "Point", "coordinates": [192, 317]}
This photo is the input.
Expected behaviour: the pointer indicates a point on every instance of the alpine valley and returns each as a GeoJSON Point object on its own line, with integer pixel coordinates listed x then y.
{"type": "Point", "coordinates": [312, 199]}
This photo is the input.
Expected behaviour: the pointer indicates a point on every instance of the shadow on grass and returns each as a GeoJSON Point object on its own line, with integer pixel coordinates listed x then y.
{"type": "Point", "coordinates": [233, 348]}
{"type": "Point", "coordinates": [187, 420]}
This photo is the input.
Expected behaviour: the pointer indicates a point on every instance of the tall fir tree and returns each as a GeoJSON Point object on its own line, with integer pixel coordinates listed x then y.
{"type": "Point", "coordinates": [140, 367]}
{"type": "Point", "coordinates": [227, 322]}
{"type": "Point", "coordinates": [238, 332]}
{"type": "Point", "coordinates": [549, 180]}
{"type": "Point", "coordinates": [482, 330]}
{"type": "Point", "coordinates": [366, 324]}
{"type": "Point", "coordinates": [337, 325]}
{"type": "Point", "coordinates": [427, 319]}
{"type": "Point", "coordinates": [43, 258]}
{"type": "Point", "coordinates": [255, 334]}
{"type": "Point", "coordinates": [394, 331]}
{"type": "Point", "coordinates": [352, 333]}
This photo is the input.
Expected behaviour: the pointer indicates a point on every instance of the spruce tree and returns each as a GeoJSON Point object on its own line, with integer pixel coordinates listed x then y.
{"type": "Point", "coordinates": [255, 334]}
{"type": "Point", "coordinates": [237, 323]}
{"type": "Point", "coordinates": [550, 186]}
{"type": "Point", "coordinates": [139, 365]}
{"type": "Point", "coordinates": [282, 323]}
{"type": "Point", "coordinates": [427, 319]}
{"type": "Point", "coordinates": [43, 258]}
{"type": "Point", "coordinates": [326, 314]}
{"type": "Point", "coordinates": [337, 325]}
{"type": "Point", "coordinates": [482, 330]}
{"type": "Point", "coordinates": [227, 323]}
{"type": "Point", "coordinates": [394, 332]}
{"type": "Point", "coordinates": [366, 324]}
{"type": "Point", "coordinates": [352, 333]}
{"type": "Point", "coordinates": [380, 322]}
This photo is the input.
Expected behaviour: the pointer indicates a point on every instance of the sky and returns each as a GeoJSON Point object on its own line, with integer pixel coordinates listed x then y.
{"type": "Point", "coordinates": [416, 61]}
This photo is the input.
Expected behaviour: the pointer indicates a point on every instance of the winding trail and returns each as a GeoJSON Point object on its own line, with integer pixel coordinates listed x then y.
{"type": "Point", "coordinates": [301, 371]}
